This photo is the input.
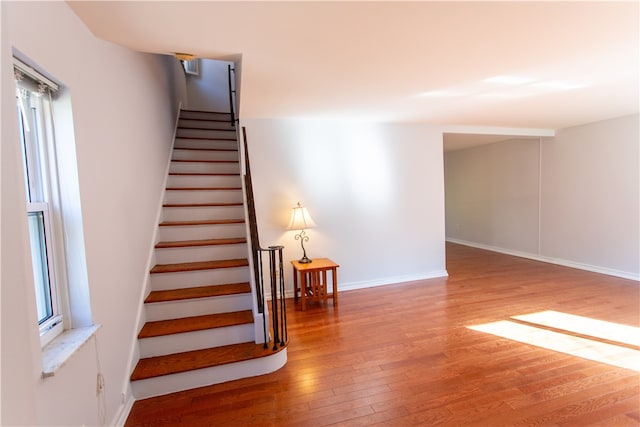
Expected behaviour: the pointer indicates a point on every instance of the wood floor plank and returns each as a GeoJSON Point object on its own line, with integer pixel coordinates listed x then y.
{"type": "Point", "coordinates": [403, 355]}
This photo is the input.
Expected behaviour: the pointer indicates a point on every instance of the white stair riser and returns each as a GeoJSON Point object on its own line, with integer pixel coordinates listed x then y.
{"type": "Point", "coordinates": [202, 377]}
{"type": "Point", "coordinates": [202, 181]}
{"type": "Point", "coordinates": [181, 154]}
{"type": "Point", "coordinates": [208, 132]}
{"type": "Point", "coordinates": [204, 167]}
{"type": "Point", "coordinates": [204, 133]}
{"type": "Point", "coordinates": [205, 115]}
{"type": "Point", "coordinates": [206, 143]}
{"type": "Point", "coordinates": [193, 213]}
{"type": "Point", "coordinates": [196, 340]}
{"type": "Point", "coordinates": [203, 196]}
{"type": "Point", "coordinates": [188, 279]}
{"type": "Point", "coordinates": [200, 253]}
{"type": "Point", "coordinates": [209, 124]}
{"type": "Point", "coordinates": [197, 307]}
{"type": "Point", "coordinates": [200, 232]}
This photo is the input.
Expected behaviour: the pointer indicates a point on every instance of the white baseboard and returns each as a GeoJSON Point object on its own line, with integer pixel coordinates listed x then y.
{"type": "Point", "coordinates": [550, 260]}
{"type": "Point", "coordinates": [378, 282]}
{"type": "Point", "coordinates": [123, 412]}
{"type": "Point", "coordinates": [391, 280]}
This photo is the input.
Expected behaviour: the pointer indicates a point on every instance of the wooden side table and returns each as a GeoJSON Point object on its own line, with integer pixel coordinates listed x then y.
{"type": "Point", "coordinates": [313, 280]}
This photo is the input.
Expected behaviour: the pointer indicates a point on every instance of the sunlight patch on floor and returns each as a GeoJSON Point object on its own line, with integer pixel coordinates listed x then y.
{"type": "Point", "coordinates": [590, 349]}
{"type": "Point", "coordinates": [585, 326]}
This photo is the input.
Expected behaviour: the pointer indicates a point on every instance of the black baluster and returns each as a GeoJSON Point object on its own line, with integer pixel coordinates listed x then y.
{"type": "Point", "coordinates": [274, 299]}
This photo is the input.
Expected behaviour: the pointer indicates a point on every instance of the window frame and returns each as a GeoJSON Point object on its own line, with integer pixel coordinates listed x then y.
{"type": "Point", "coordinates": [38, 145]}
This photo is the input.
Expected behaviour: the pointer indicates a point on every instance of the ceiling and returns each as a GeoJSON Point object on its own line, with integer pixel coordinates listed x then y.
{"type": "Point", "coordinates": [545, 65]}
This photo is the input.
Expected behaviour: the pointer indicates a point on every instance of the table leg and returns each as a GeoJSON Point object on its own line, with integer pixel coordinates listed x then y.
{"type": "Point", "coordinates": [303, 290]}
{"type": "Point", "coordinates": [295, 285]}
{"type": "Point", "coordinates": [334, 275]}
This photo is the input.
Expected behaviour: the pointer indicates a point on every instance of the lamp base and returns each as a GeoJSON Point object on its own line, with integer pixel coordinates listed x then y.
{"type": "Point", "coordinates": [305, 259]}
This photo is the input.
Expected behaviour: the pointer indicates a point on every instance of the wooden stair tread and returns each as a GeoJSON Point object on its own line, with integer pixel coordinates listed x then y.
{"type": "Point", "coordinates": [203, 174]}
{"type": "Point", "coordinates": [191, 110]}
{"type": "Point", "coordinates": [198, 359]}
{"type": "Point", "coordinates": [218, 129]}
{"type": "Point", "coordinates": [204, 161]}
{"type": "Point", "coordinates": [198, 128]}
{"type": "Point", "coordinates": [200, 205]}
{"type": "Point", "coordinates": [207, 119]}
{"type": "Point", "coordinates": [204, 138]}
{"type": "Point", "coordinates": [201, 222]}
{"type": "Point", "coordinates": [199, 265]}
{"type": "Point", "coordinates": [204, 188]}
{"type": "Point", "coordinates": [198, 292]}
{"type": "Point", "coordinates": [195, 323]}
{"type": "Point", "coordinates": [218, 120]}
{"type": "Point", "coordinates": [205, 242]}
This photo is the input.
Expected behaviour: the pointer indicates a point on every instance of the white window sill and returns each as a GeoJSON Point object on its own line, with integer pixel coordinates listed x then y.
{"type": "Point", "coordinates": [57, 352]}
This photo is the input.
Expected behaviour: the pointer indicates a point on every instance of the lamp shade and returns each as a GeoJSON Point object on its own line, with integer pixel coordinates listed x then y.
{"type": "Point", "coordinates": [300, 219]}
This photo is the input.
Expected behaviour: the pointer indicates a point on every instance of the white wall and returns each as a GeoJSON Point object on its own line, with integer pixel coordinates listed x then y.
{"type": "Point", "coordinates": [572, 199]}
{"type": "Point", "coordinates": [492, 194]}
{"type": "Point", "coordinates": [209, 91]}
{"type": "Point", "coordinates": [591, 195]}
{"type": "Point", "coordinates": [17, 334]}
{"type": "Point", "coordinates": [123, 111]}
{"type": "Point", "coordinates": [374, 190]}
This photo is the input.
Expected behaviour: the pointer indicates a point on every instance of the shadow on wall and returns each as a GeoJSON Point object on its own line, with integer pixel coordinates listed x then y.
{"type": "Point", "coordinates": [208, 89]}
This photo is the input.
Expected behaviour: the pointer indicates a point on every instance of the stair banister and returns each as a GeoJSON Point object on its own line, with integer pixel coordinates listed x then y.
{"type": "Point", "coordinates": [275, 272]}
{"type": "Point", "coordinates": [232, 94]}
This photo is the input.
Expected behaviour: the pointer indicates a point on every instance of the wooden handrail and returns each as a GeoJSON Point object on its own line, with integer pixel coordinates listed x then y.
{"type": "Point", "coordinates": [275, 272]}
{"type": "Point", "coordinates": [251, 208]}
{"type": "Point", "coordinates": [232, 94]}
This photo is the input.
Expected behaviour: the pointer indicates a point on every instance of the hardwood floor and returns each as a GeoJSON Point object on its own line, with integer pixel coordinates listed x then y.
{"type": "Point", "coordinates": [403, 355]}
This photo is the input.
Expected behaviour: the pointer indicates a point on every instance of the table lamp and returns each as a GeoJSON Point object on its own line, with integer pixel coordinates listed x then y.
{"type": "Point", "coordinates": [301, 220]}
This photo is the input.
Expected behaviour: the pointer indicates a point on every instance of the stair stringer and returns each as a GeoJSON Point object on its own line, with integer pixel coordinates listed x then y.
{"type": "Point", "coordinates": [127, 395]}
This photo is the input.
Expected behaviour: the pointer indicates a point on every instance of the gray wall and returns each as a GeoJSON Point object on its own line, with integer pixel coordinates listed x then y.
{"type": "Point", "coordinates": [571, 199]}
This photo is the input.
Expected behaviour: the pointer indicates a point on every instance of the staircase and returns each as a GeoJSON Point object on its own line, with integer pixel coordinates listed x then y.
{"type": "Point", "coordinates": [199, 326]}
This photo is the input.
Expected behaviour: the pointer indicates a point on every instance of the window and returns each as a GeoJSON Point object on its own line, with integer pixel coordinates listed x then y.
{"type": "Point", "coordinates": [34, 100]}
{"type": "Point", "coordinates": [192, 66]}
